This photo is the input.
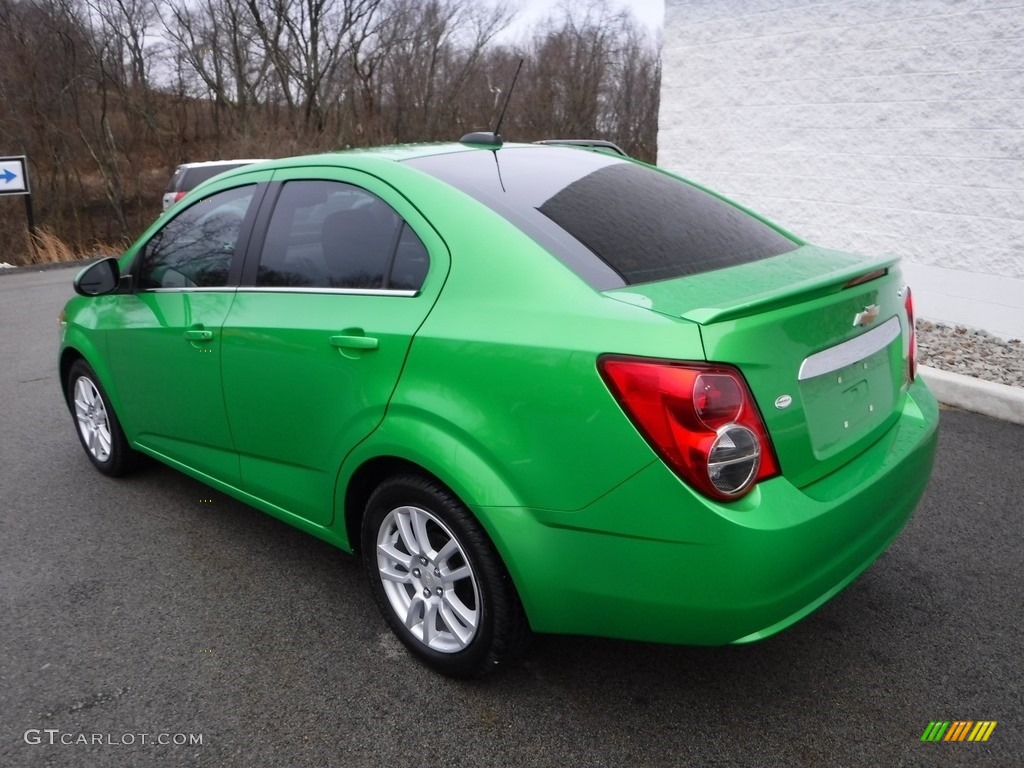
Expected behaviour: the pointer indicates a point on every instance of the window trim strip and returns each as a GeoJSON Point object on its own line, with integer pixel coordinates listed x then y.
{"type": "Point", "coordinates": [403, 293]}
{"type": "Point", "coordinates": [400, 293]}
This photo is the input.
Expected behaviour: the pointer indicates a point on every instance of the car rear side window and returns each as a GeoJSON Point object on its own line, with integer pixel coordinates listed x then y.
{"type": "Point", "coordinates": [327, 234]}
{"type": "Point", "coordinates": [196, 247]}
{"type": "Point", "coordinates": [628, 223]}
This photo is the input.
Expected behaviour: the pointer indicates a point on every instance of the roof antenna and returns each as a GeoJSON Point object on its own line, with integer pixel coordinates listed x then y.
{"type": "Point", "coordinates": [494, 139]}
{"type": "Point", "coordinates": [497, 128]}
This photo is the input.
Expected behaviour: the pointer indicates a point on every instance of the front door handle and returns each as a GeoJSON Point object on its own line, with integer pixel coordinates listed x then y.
{"type": "Point", "coordinates": [355, 342]}
{"type": "Point", "coordinates": [199, 335]}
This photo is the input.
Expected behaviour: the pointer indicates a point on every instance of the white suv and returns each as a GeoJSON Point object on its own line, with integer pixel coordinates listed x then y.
{"type": "Point", "coordinates": [190, 175]}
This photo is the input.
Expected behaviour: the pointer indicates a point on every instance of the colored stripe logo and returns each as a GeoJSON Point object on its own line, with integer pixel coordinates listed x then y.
{"type": "Point", "coordinates": [958, 730]}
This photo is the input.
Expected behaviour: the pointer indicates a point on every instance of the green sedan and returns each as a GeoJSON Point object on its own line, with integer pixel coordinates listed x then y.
{"type": "Point", "coordinates": [537, 389]}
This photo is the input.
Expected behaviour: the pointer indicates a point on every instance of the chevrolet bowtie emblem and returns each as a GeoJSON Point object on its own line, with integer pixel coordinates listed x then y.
{"type": "Point", "coordinates": [866, 316]}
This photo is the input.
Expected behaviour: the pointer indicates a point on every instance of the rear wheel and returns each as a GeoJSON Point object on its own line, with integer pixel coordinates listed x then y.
{"type": "Point", "coordinates": [98, 428]}
{"type": "Point", "coordinates": [440, 584]}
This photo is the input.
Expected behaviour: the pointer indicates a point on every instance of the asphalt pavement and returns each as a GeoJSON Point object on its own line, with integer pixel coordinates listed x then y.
{"type": "Point", "coordinates": [155, 609]}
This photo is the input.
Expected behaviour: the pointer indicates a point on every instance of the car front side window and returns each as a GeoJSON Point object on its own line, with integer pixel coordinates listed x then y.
{"type": "Point", "coordinates": [195, 249]}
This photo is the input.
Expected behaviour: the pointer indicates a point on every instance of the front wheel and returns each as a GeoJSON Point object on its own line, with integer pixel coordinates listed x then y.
{"type": "Point", "coordinates": [438, 580]}
{"type": "Point", "coordinates": [98, 428]}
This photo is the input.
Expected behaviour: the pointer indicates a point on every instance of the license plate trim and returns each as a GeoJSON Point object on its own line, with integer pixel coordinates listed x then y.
{"type": "Point", "coordinates": [849, 352]}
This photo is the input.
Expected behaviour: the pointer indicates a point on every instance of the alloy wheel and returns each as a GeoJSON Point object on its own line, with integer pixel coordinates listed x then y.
{"type": "Point", "coordinates": [427, 579]}
{"type": "Point", "coordinates": [91, 416]}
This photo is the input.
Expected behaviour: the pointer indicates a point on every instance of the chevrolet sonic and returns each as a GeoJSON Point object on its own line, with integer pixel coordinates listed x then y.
{"type": "Point", "coordinates": [536, 388]}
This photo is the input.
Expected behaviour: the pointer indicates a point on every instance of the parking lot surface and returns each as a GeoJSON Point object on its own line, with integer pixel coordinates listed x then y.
{"type": "Point", "coordinates": [154, 606]}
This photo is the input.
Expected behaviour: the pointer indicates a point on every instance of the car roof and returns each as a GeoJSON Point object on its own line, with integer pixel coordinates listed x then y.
{"type": "Point", "coordinates": [401, 152]}
{"type": "Point", "coordinates": [395, 152]}
{"type": "Point", "coordinates": [205, 163]}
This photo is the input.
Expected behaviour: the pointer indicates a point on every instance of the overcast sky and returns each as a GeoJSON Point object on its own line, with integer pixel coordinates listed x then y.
{"type": "Point", "coordinates": [649, 12]}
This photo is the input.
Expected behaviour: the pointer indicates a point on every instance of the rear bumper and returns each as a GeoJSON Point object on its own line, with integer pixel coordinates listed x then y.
{"type": "Point", "coordinates": [653, 561]}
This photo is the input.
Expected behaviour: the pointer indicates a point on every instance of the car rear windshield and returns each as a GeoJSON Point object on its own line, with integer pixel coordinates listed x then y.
{"type": "Point", "coordinates": [175, 183]}
{"type": "Point", "coordinates": [627, 223]}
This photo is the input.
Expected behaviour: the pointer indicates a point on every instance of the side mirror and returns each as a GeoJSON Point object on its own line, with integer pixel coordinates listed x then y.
{"type": "Point", "coordinates": [97, 279]}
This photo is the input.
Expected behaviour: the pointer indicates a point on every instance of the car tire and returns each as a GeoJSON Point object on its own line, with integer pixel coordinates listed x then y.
{"type": "Point", "coordinates": [96, 423]}
{"type": "Point", "coordinates": [438, 580]}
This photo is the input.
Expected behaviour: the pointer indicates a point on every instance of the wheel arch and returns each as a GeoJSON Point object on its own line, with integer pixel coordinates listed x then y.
{"type": "Point", "coordinates": [361, 485]}
{"type": "Point", "coordinates": [68, 356]}
{"type": "Point", "coordinates": [374, 470]}
{"type": "Point", "coordinates": [410, 439]}
{"type": "Point", "coordinates": [82, 349]}
{"type": "Point", "coordinates": [395, 449]}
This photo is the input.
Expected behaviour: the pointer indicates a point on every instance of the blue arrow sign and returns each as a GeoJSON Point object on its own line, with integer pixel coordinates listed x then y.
{"type": "Point", "coordinates": [13, 176]}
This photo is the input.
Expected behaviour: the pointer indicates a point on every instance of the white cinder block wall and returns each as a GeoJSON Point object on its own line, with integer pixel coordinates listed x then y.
{"type": "Point", "coordinates": [878, 126]}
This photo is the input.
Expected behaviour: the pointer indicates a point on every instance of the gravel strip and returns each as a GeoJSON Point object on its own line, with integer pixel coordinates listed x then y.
{"type": "Point", "coordinates": [971, 352]}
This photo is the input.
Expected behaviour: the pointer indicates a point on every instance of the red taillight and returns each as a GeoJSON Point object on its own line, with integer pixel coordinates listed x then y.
{"type": "Point", "coordinates": [700, 418]}
{"type": "Point", "coordinates": [179, 195]}
{"type": "Point", "coordinates": [908, 304]}
{"type": "Point", "coordinates": [717, 399]}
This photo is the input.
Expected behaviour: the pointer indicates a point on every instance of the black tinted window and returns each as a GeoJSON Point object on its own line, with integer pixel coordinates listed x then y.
{"type": "Point", "coordinates": [626, 223]}
{"type": "Point", "coordinates": [195, 176]}
{"type": "Point", "coordinates": [411, 262]}
{"type": "Point", "coordinates": [195, 248]}
{"type": "Point", "coordinates": [648, 226]}
{"type": "Point", "coordinates": [175, 183]}
{"type": "Point", "coordinates": [326, 234]}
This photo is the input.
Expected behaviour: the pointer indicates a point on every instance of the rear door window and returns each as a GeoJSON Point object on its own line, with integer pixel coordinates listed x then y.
{"type": "Point", "coordinates": [328, 234]}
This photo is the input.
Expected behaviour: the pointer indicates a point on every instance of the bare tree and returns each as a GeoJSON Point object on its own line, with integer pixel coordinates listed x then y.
{"type": "Point", "coordinates": [106, 96]}
{"type": "Point", "coordinates": [218, 41]}
{"type": "Point", "coordinates": [306, 42]}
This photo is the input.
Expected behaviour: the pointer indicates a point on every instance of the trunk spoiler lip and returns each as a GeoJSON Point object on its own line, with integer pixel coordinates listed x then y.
{"type": "Point", "coordinates": [824, 283]}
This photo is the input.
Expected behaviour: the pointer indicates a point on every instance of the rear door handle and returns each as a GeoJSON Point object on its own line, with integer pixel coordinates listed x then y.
{"type": "Point", "coordinates": [355, 342]}
{"type": "Point", "coordinates": [199, 335]}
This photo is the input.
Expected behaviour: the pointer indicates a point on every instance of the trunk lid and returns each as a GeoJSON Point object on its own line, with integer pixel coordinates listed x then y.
{"type": "Point", "coordinates": [825, 359]}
